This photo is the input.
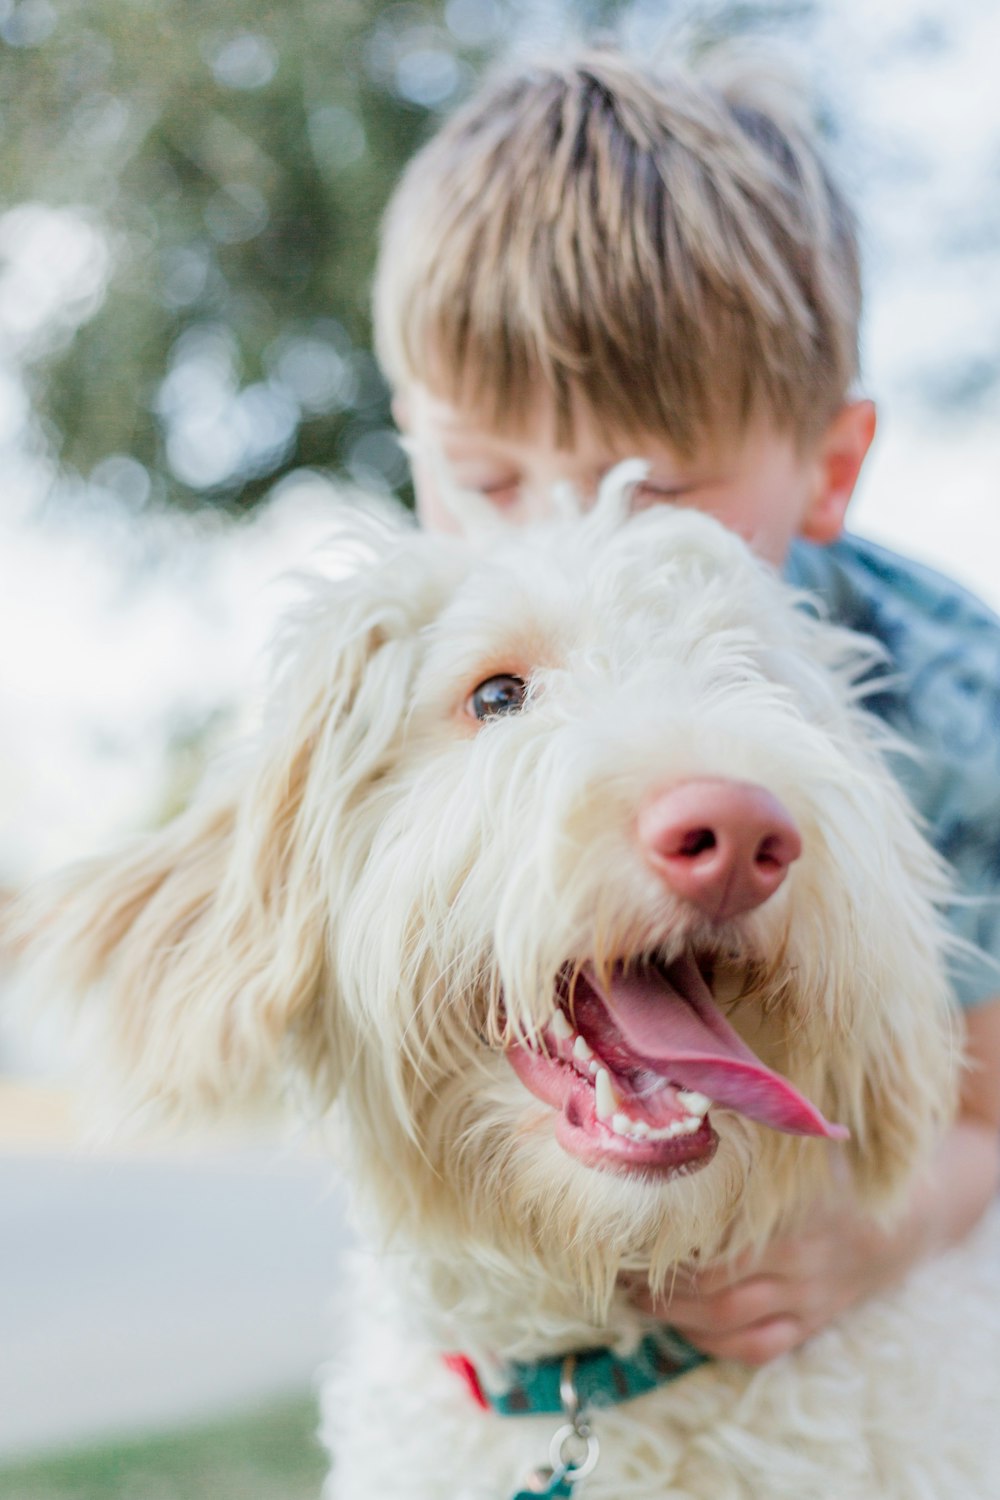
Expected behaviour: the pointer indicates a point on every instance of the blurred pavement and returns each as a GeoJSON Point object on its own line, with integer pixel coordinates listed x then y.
{"type": "Point", "coordinates": [143, 1289]}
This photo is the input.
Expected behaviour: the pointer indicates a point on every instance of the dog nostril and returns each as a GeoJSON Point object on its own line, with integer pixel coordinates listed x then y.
{"type": "Point", "coordinates": [769, 854]}
{"type": "Point", "coordinates": [696, 841]}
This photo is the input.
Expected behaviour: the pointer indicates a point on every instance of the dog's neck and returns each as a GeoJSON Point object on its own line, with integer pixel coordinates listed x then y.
{"type": "Point", "coordinates": [490, 1309]}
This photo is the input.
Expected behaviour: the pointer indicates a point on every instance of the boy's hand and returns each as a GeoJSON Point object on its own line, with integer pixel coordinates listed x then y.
{"type": "Point", "coordinates": [761, 1306]}
{"type": "Point", "coordinates": [756, 1308]}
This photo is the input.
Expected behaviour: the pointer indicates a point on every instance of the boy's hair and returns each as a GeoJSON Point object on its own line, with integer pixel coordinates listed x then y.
{"type": "Point", "coordinates": [667, 252]}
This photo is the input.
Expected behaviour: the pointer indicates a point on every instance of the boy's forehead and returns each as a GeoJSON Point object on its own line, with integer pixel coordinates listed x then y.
{"type": "Point", "coordinates": [449, 418]}
{"type": "Point", "coordinates": [452, 415]}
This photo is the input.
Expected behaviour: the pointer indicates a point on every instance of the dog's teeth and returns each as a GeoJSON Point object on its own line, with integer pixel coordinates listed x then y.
{"type": "Point", "coordinates": [581, 1051]}
{"type": "Point", "coordinates": [695, 1104]}
{"type": "Point", "coordinates": [593, 1069]}
{"type": "Point", "coordinates": [638, 1130]}
{"type": "Point", "coordinates": [607, 1099]}
{"type": "Point", "coordinates": [560, 1026]}
{"type": "Point", "coordinates": [610, 1112]}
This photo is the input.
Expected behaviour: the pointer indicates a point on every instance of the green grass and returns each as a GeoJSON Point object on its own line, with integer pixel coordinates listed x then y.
{"type": "Point", "coordinates": [270, 1454]}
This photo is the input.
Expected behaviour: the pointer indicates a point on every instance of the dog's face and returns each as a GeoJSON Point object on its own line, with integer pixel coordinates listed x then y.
{"type": "Point", "coordinates": [566, 863]}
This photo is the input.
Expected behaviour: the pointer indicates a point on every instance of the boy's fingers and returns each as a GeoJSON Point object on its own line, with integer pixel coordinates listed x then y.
{"type": "Point", "coordinates": [697, 1281]}
{"type": "Point", "coordinates": [777, 1258]}
{"type": "Point", "coordinates": [756, 1345]}
{"type": "Point", "coordinates": [729, 1311]}
{"type": "Point", "coordinates": [746, 1301]}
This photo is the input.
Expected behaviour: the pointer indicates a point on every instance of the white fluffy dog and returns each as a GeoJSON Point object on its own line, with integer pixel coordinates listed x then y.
{"type": "Point", "coordinates": [566, 868]}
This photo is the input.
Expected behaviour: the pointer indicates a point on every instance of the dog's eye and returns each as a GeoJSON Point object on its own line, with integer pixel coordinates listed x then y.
{"type": "Point", "coordinates": [498, 695]}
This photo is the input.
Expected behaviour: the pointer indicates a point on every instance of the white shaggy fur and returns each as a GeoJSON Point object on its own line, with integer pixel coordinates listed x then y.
{"type": "Point", "coordinates": [382, 891]}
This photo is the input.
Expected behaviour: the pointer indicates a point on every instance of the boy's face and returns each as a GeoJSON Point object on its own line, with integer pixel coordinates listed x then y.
{"type": "Point", "coordinates": [763, 487]}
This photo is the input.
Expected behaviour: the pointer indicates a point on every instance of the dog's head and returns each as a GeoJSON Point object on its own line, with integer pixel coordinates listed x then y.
{"type": "Point", "coordinates": [568, 865]}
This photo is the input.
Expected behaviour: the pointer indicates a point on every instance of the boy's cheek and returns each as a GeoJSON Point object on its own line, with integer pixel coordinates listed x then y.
{"type": "Point", "coordinates": [432, 512]}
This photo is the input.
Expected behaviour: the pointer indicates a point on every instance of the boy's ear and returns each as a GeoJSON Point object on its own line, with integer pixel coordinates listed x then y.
{"type": "Point", "coordinates": [838, 459]}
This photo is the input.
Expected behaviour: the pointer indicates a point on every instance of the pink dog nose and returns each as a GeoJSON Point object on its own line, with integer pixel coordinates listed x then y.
{"type": "Point", "coordinates": [723, 845]}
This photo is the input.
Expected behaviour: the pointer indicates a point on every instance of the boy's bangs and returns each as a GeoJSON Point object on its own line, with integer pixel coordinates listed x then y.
{"type": "Point", "coordinates": [483, 349]}
{"type": "Point", "coordinates": [502, 372]}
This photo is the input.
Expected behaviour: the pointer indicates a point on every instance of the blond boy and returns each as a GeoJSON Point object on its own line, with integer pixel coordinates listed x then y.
{"type": "Point", "coordinates": [592, 261]}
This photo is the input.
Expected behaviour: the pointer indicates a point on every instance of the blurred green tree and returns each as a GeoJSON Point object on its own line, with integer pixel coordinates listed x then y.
{"type": "Point", "coordinates": [234, 160]}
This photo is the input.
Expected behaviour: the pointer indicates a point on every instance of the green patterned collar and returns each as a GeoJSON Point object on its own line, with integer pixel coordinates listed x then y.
{"type": "Point", "coordinates": [577, 1386]}
{"type": "Point", "coordinates": [602, 1378]}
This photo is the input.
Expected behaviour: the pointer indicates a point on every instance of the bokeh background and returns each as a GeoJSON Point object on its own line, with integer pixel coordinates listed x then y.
{"type": "Point", "coordinates": [189, 201]}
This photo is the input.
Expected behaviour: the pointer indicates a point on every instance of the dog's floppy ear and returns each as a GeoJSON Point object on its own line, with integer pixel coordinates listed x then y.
{"type": "Point", "coordinates": [206, 941]}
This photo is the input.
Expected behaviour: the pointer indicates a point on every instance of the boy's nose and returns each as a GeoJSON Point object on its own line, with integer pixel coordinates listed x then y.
{"type": "Point", "coordinates": [725, 846]}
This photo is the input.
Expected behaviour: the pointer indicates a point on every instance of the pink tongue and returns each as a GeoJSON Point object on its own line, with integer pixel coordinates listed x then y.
{"type": "Point", "coordinates": [674, 1025]}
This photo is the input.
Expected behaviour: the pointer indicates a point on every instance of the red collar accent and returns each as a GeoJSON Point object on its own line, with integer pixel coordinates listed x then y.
{"type": "Point", "coordinates": [466, 1371]}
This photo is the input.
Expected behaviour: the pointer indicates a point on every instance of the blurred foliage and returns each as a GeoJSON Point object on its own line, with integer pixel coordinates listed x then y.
{"type": "Point", "coordinates": [202, 184]}
{"type": "Point", "coordinates": [236, 156]}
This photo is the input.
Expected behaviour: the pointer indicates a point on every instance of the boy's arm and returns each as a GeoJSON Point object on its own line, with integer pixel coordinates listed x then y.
{"type": "Point", "coordinates": [758, 1309]}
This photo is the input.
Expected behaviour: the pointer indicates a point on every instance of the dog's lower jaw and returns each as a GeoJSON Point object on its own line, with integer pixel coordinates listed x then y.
{"type": "Point", "coordinates": [485, 1166]}
{"type": "Point", "coordinates": [660, 1160]}
{"type": "Point", "coordinates": [609, 1139]}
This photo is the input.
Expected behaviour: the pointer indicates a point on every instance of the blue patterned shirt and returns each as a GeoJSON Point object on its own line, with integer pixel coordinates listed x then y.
{"type": "Point", "coordinates": [944, 698]}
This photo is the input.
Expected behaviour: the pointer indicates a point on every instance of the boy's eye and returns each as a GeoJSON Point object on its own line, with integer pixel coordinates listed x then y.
{"type": "Point", "coordinates": [502, 694]}
{"type": "Point", "coordinates": [649, 493]}
{"type": "Point", "coordinates": [499, 491]}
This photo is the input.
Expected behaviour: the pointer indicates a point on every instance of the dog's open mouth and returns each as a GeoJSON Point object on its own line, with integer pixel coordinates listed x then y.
{"type": "Point", "coordinates": [633, 1065]}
